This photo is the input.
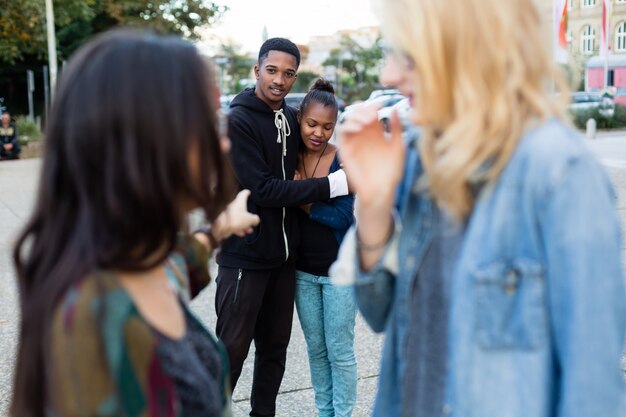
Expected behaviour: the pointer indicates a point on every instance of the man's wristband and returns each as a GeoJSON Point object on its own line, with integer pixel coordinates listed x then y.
{"type": "Point", "coordinates": [208, 231]}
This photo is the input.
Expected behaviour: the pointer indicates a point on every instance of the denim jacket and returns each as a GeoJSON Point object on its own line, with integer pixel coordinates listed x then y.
{"type": "Point", "coordinates": [537, 299]}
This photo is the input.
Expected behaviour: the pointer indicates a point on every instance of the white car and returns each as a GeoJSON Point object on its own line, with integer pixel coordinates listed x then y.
{"type": "Point", "coordinates": [581, 101]}
{"type": "Point", "coordinates": [384, 92]}
{"type": "Point", "coordinates": [388, 102]}
{"type": "Point", "coordinates": [404, 109]}
{"type": "Point", "coordinates": [225, 102]}
{"type": "Point", "coordinates": [294, 99]}
{"type": "Point", "coordinates": [385, 100]}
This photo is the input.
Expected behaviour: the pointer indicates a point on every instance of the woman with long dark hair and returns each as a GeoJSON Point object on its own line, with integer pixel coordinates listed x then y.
{"type": "Point", "coordinates": [132, 144]}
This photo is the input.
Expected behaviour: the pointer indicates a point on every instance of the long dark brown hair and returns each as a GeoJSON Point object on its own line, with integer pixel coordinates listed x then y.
{"type": "Point", "coordinates": [130, 111]}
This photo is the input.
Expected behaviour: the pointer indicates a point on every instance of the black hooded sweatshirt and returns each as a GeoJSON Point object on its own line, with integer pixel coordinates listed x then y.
{"type": "Point", "coordinates": [264, 154]}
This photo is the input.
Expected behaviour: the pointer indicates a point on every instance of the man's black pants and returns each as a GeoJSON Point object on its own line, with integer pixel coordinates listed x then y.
{"type": "Point", "coordinates": [256, 305]}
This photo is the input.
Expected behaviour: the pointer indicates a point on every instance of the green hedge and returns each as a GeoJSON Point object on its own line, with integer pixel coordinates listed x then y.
{"type": "Point", "coordinates": [27, 130]}
{"type": "Point", "coordinates": [618, 120]}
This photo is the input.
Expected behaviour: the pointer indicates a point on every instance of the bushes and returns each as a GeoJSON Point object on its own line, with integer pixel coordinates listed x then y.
{"type": "Point", "coordinates": [27, 131]}
{"type": "Point", "coordinates": [618, 120]}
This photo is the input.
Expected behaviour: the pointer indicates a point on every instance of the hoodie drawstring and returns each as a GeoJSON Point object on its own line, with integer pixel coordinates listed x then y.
{"type": "Point", "coordinates": [280, 121]}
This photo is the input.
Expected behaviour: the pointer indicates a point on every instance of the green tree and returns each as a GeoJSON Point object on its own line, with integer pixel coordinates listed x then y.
{"type": "Point", "coordinates": [235, 68]}
{"type": "Point", "coordinates": [23, 22]}
{"type": "Point", "coordinates": [23, 42]}
{"type": "Point", "coordinates": [23, 25]}
{"type": "Point", "coordinates": [304, 81]}
{"type": "Point", "coordinates": [357, 68]}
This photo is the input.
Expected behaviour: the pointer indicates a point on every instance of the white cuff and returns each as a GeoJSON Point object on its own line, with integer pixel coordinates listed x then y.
{"type": "Point", "coordinates": [338, 183]}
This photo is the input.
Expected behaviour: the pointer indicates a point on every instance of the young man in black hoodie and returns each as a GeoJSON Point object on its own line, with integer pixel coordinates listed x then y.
{"type": "Point", "coordinates": [256, 277]}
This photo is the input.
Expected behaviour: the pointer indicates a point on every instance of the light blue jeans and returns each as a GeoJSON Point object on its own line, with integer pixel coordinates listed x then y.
{"type": "Point", "coordinates": [327, 313]}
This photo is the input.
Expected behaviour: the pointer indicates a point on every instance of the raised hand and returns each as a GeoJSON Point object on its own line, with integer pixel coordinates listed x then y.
{"type": "Point", "coordinates": [372, 159]}
{"type": "Point", "coordinates": [374, 162]}
{"type": "Point", "coordinates": [236, 219]}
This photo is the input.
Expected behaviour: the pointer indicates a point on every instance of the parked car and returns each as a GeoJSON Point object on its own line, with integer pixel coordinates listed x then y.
{"type": "Point", "coordinates": [583, 100]}
{"type": "Point", "coordinates": [294, 100]}
{"type": "Point", "coordinates": [402, 107]}
{"type": "Point", "coordinates": [341, 104]}
{"type": "Point", "coordinates": [225, 102]}
{"type": "Point", "coordinates": [385, 100]}
{"type": "Point", "coordinates": [383, 92]}
{"type": "Point", "coordinates": [388, 102]}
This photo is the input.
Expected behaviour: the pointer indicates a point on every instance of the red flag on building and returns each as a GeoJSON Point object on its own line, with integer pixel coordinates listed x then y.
{"type": "Point", "coordinates": [563, 25]}
{"type": "Point", "coordinates": [560, 30]}
{"type": "Point", "coordinates": [606, 27]}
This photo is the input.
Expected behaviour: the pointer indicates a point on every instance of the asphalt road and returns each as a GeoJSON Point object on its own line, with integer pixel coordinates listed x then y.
{"type": "Point", "coordinates": [18, 182]}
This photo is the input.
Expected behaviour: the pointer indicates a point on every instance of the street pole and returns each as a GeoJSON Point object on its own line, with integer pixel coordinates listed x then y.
{"type": "Point", "coordinates": [46, 92]}
{"type": "Point", "coordinates": [52, 45]}
{"type": "Point", "coordinates": [221, 62]}
{"type": "Point", "coordinates": [30, 85]}
{"type": "Point", "coordinates": [339, 64]}
{"type": "Point", "coordinates": [606, 71]}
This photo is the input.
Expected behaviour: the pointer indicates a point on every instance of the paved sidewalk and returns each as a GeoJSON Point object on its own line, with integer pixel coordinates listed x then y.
{"type": "Point", "coordinates": [18, 181]}
{"type": "Point", "coordinates": [296, 395]}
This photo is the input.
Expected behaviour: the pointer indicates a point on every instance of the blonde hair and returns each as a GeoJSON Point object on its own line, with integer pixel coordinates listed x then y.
{"type": "Point", "coordinates": [484, 74]}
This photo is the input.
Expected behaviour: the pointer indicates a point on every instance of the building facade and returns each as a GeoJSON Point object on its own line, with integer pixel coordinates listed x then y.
{"type": "Point", "coordinates": [320, 48]}
{"type": "Point", "coordinates": [584, 27]}
{"type": "Point", "coordinates": [585, 49]}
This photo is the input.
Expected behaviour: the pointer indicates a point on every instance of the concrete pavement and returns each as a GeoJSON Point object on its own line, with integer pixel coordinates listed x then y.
{"type": "Point", "coordinates": [18, 182]}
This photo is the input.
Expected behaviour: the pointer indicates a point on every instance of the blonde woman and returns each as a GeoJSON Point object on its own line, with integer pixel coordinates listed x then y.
{"type": "Point", "coordinates": [487, 249]}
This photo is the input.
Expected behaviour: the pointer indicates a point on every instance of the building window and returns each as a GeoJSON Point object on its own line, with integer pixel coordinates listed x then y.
{"type": "Point", "coordinates": [589, 3]}
{"type": "Point", "coordinates": [620, 1]}
{"type": "Point", "coordinates": [588, 40]}
{"type": "Point", "coordinates": [620, 37]}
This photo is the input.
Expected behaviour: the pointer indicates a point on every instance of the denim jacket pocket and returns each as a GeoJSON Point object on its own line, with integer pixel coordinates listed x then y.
{"type": "Point", "coordinates": [510, 305]}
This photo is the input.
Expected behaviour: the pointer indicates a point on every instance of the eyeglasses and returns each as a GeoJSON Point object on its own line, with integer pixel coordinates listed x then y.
{"type": "Point", "coordinates": [401, 57]}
